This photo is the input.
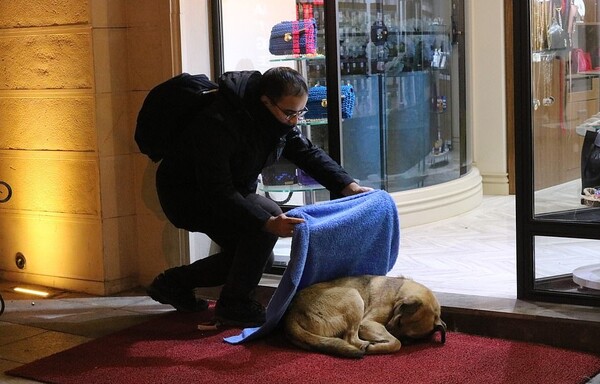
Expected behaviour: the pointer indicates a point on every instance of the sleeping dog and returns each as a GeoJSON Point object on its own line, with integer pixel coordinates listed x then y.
{"type": "Point", "coordinates": [354, 316]}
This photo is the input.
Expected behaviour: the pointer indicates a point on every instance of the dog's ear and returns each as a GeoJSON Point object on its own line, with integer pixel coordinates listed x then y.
{"type": "Point", "coordinates": [410, 305]}
{"type": "Point", "coordinates": [406, 306]}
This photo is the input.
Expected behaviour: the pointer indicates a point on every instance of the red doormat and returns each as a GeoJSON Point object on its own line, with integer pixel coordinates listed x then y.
{"type": "Point", "coordinates": [170, 349]}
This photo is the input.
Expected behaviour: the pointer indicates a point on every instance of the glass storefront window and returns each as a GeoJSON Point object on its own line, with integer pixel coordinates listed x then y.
{"type": "Point", "coordinates": [402, 61]}
{"type": "Point", "coordinates": [401, 127]}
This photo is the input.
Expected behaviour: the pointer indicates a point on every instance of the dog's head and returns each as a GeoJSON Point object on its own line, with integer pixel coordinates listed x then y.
{"type": "Point", "coordinates": [416, 317]}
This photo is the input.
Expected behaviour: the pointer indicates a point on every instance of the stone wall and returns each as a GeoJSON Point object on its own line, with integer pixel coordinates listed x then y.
{"type": "Point", "coordinates": [73, 74]}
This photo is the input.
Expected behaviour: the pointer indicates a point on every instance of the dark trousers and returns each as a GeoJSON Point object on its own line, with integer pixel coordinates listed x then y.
{"type": "Point", "coordinates": [244, 253]}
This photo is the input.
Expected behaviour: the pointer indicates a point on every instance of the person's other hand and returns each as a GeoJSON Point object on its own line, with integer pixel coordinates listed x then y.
{"type": "Point", "coordinates": [282, 225]}
{"type": "Point", "coordinates": [355, 189]}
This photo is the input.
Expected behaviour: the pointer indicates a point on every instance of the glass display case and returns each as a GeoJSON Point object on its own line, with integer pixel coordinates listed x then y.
{"type": "Point", "coordinates": [557, 117]}
{"type": "Point", "coordinates": [402, 59]}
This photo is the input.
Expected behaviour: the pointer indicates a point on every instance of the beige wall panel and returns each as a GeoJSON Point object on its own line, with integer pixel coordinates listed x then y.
{"type": "Point", "coordinates": [53, 246]}
{"type": "Point", "coordinates": [38, 13]}
{"type": "Point", "coordinates": [120, 246]}
{"type": "Point", "coordinates": [115, 135]}
{"type": "Point", "coordinates": [50, 184]}
{"type": "Point", "coordinates": [110, 60]}
{"type": "Point", "coordinates": [117, 187]}
{"type": "Point", "coordinates": [46, 61]}
{"type": "Point", "coordinates": [51, 123]}
{"type": "Point", "coordinates": [134, 102]}
{"type": "Point", "coordinates": [109, 13]}
{"type": "Point", "coordinates": [158, 247]}
{"type": "Point", "coordinates": [146, 12]}
{"type": "Point", "coordinates": [146, 63]}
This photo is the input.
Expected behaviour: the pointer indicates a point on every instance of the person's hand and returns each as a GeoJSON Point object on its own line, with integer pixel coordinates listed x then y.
{"type": "Point", "coordinates": [354, 189]}
{"type": "Point", "coordinates": [282, 225]}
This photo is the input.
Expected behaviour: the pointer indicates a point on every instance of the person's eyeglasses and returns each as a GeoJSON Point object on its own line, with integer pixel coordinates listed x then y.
{"type": "Point", "coordinates": [289, 114]}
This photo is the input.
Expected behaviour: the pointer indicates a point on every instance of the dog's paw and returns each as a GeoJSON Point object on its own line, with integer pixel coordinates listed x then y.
{"type": "Point", "coordinates": [383, 346]}
{"type": "Point", "coordinates": [364, 345]}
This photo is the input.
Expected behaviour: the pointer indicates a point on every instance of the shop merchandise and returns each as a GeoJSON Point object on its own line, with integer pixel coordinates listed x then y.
{"type": "Point", "coordinates": [297, 37]}
{"type": "Point", "coordinates": [317, 102]}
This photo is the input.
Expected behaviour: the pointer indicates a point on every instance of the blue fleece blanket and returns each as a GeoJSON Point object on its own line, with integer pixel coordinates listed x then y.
{"type": "Point", "coordinates": [355, 235]}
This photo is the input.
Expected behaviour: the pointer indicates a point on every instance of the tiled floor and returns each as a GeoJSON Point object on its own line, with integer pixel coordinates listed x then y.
{"type": "Point", "coordinates": [472, 254]}
{"type": "Point", "coordinates": [32, 328]}
{"type": "Point", "coordinates": [469, 261]}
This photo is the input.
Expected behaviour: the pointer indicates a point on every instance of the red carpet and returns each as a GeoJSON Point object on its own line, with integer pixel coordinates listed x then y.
{"type": "Point", "coordinates": [169, 349]}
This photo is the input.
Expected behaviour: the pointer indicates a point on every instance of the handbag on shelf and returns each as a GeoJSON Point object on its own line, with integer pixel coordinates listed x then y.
{"type": "Point", "coordinates": [317, 102]}
{"type": "Point", "coordinates": [298, 37]}
{"type": "Point", "coordinates": [558, 38]}
{"type": "Point", "coordinates": [581, 60]}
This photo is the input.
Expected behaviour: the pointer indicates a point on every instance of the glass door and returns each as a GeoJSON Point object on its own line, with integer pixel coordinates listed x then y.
{"type": "Point", "coordinates": [557, 69]}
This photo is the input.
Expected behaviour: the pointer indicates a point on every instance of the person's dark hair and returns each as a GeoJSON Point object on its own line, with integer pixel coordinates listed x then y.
{"type": "Point", "coordinates": [282, 81]}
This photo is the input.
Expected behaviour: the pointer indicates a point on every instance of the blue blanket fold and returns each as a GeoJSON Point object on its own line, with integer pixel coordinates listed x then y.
{"type": "Point", "coordinates": [356, 235]}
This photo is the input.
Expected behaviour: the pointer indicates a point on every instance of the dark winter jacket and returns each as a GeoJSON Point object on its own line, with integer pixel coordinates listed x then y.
{"type": "Point", "coordinates": [217, 160]}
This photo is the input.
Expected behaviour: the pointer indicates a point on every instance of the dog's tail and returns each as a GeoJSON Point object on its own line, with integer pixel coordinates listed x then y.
{"type": "Point", "coordinates": [305, 339]}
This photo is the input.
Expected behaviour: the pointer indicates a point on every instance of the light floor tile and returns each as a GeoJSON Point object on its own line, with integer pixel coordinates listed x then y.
{"type": "Point", "coordinates": [41, 345]}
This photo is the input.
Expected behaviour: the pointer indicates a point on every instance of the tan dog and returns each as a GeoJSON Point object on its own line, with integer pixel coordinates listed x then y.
{"type": "Point", "coordinates": [354, 316]}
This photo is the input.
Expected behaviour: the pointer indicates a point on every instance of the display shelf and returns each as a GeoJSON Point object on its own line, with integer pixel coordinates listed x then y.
{"type": "Point", "coordinates": [295, 187]}
{"type": "Point", "coordinates": [298, 58]}
{"type": "Point", "coordinates": [313, 122]}
{"type": "Point", "coordinates": [309, 191]}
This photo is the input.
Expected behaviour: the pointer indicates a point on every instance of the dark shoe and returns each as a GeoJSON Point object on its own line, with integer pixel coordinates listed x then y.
{"type": "Point", "coordinates": [240, 313]}
{"type": "Point", "coordinates": [166, 292]}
